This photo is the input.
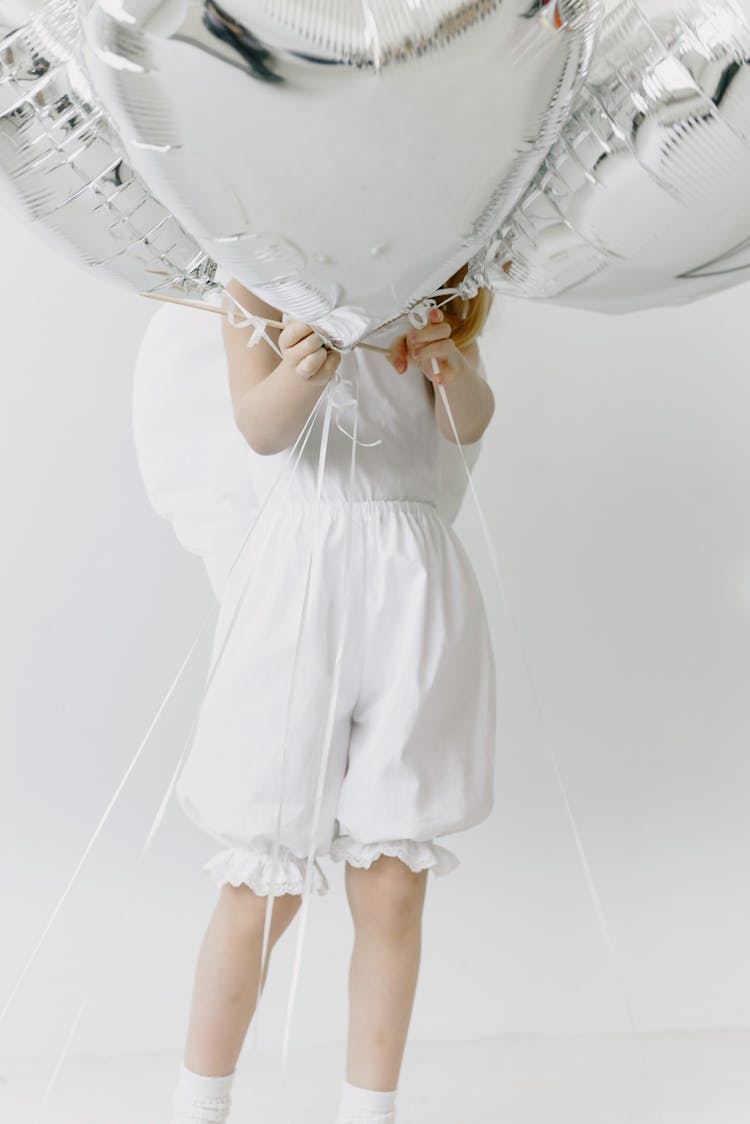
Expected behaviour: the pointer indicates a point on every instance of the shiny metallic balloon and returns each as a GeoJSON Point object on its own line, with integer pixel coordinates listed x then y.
{"type": "Point", "coordinates": [63, 168]}
{"type": "Point", "coordinates": [644, 199]}
{"type": "Point", "coordinates": [340, 159]}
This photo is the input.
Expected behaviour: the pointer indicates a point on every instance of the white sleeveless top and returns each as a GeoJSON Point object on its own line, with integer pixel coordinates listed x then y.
{"type": "Point", "coordinates": [201, 474]}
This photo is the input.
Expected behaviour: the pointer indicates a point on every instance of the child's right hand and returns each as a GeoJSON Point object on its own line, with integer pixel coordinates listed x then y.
{"type": "Point", "coordinates": [303, 348]}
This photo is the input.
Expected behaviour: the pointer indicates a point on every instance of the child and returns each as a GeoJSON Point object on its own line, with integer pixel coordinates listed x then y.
{"type": "Point", "coordinates": [412, 755]}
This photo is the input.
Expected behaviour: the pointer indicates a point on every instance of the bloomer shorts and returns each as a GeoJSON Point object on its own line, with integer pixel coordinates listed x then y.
{"type": "Point", "coordinates": [413, 736]}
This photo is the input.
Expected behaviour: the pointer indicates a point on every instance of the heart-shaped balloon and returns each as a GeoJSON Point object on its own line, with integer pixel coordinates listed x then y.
{"type": "Point", "coordinates": [644, 199]}
{"type": "Point", "coordinates": [63, 169]}
{"type": "Point", "coordinates": [342, 160]}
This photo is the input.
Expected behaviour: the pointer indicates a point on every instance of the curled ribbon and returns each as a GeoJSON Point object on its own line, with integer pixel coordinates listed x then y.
{"type": "Point", "coordinates": [342, 397]}
{"type": "Point", "coordinates": [419, 315]}
{"type": "Point", "coordinates": [341, 394]}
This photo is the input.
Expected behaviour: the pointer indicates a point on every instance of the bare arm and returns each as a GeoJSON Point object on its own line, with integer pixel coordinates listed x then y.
{"type": "Point", "coordinates": [271, 398]}
{"type": "Point", "coordinates": [470, 398]}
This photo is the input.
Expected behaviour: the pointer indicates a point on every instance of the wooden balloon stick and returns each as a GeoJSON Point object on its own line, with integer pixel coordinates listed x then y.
{"type": "Point", "coordinates": [221, 312]}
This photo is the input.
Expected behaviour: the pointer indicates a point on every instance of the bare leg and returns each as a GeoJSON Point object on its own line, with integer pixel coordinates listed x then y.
{"type": "Point", "coordinates": [386, 902]}
{"type": "Point", "coordinates": [226, 976]}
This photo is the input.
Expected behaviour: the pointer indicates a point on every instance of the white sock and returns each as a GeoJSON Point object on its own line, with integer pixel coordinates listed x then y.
{"type": "Point", "coordinates": [366, 1106]}
{"type": "Point", "coordinates": [202, 1100]}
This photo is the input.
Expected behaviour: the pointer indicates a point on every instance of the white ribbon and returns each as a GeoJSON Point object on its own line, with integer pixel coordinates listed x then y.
{"type": "Point", "coordinates": [302, 440]}
{"type": "Point", "coordinates": [320, 787]}
{"type": "Point", "coordinates": [331, 392]}
{"type": "Point", "coordinates": [259, 324]}
{"type": "Point", "coordinates": [340, 394]}
{"type": "Point", "coordinates": [327, 395]}
{"type": "Point", "coordinates": [419, 316]}
{"type": "Point", "coordinates": [343, 397]}
{"type": "Point", "coordinates": [598, 910]}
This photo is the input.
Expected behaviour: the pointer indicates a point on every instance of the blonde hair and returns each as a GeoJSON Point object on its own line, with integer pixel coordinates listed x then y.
{"type": "Point", "coordinates": [466, 316]}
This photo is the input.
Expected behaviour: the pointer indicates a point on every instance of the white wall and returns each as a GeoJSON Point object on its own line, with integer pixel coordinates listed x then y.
{"type": "Point", "coordinates": [614, 478]}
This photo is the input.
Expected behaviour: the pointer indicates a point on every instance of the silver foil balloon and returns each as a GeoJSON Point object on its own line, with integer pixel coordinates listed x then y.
{"type": "Point", "coordinates": [63, 168]}
{"type": "Point", "coordinates": [645, 197]}
{"type": "Point", "coordinates": [341, 159]}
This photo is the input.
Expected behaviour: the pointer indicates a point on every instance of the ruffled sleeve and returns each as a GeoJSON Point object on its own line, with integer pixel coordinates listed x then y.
{"type": "Point", "coordinates": [194, 462]}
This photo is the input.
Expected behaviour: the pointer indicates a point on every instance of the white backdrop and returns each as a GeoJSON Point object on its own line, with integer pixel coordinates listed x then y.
{"type": "Point", "coordinates": [614, 477]}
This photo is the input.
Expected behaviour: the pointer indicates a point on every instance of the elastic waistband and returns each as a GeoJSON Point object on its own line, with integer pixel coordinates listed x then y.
{"type": "Point", "coordinates": [358, 506]}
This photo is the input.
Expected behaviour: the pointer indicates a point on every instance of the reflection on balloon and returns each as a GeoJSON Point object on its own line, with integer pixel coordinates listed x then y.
{"type": "Point", "coordinates": [62, 165]}
{"type": "Point", "coordinates": [341, 160]}
{"type": "Point", "coordinates": [644, 199]}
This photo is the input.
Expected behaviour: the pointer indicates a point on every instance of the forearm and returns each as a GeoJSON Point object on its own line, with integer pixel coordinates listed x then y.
{"type": "Point", "coordinates": [472, 404]}
{"type": "Point", "coordinates": [271, 414]}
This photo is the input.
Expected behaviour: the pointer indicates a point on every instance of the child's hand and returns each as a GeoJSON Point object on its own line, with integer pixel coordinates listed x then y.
{"type": "Point", "coordinates": [303, 348]}
{"type": "Point", "coordinates": [421, 345]}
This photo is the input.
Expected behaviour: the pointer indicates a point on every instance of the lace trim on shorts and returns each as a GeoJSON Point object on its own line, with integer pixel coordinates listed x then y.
{"type": "Point", "coordinates": [417, 855]}
{"type": "Point", "coordinates": [252, 866]}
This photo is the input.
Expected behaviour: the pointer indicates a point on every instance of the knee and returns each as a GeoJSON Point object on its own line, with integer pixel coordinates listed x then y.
{"type": "Point", "coordinates": [387, 895]}
{"type": "Point", "coordinates": [245, 911]}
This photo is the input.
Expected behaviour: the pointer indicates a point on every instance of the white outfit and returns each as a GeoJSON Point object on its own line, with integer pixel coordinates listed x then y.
{"type": "Point", "coordinates": [412, 755]}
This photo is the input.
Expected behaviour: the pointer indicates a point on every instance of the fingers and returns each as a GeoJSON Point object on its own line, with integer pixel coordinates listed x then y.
{"type": "Point", "coordinates": [294, 331]}
{"type": "Point", "coordinates": [437, 329]}
{"type": "Point", "coordinates": [398, 355]}
{"type": "Point", "coordinates": [314, 361]}
{"type": "Point", "coordinates": [434, 335]}
{"type": "Point", "coordinates": [426, 335]}
{"type": "Point", "coordinates": [308, 346]}
{"type": "Point", "coordinates": [440, 349]}
{"type": "Point", "coordinates": [303, 348]}
{"type": "Point", "coordinates": [411, 346]}
{"type": "Point", "coordinates": [329, 366]}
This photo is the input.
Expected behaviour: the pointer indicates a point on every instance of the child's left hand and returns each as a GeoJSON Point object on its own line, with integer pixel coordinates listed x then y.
{"type": "Point", "coordinates": [421, 345]}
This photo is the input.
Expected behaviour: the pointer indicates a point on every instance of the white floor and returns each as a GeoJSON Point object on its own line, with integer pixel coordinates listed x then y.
{"type": "Point", "coordinates": [665, 1078]}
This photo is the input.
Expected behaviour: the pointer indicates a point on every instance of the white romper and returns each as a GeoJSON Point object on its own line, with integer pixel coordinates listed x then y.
{"type": "Point", "coordinates": [413, 746]}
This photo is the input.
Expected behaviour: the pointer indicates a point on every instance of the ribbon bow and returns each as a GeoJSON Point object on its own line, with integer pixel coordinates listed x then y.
{"type": "Point", "coordinates": [342, 389]}
{"type": "Point", "coordinates": [239, 317]}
